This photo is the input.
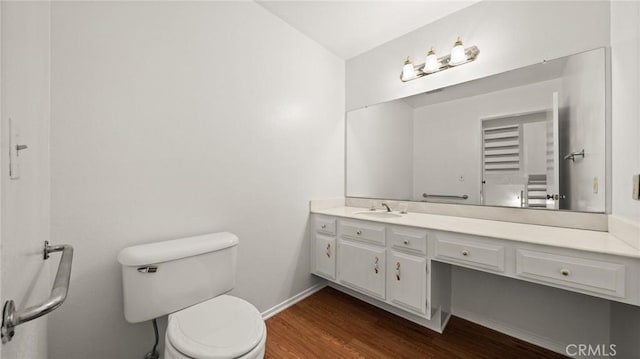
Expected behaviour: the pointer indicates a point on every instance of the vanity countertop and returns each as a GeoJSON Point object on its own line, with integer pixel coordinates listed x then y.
{"type": "Point", "coordinates": [591, 241]}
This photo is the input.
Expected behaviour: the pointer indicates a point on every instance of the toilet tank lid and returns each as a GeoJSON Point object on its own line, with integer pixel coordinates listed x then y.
{"type": "Point", "coordinates": [173, 249]}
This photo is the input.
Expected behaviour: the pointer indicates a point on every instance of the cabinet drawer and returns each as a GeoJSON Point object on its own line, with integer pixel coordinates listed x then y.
{"type": "Point", "coordinates": [471, 253]}
{"type": "Point", "coordinates": [326, 226]}
{"type": "Point", "coordinates": [408, 240]}
{"type": "Point", "coordinates": [579, 273]}
{"type": "Point", "coordinates": [363, 231]}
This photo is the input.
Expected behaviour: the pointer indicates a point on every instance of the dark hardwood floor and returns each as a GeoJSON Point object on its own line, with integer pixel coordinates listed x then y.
{"type": "Point", "coordinates": [330, 324]}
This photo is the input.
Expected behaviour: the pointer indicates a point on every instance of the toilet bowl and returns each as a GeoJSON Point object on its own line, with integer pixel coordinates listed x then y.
{"type": "Point", "coordinates": [223, 327]}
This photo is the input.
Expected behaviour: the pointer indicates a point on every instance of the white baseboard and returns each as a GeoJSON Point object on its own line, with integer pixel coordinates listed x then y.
{"type": "Point", "coordinates": [513, 331]}
{"type": "Point", "coordinates": [293, 300]}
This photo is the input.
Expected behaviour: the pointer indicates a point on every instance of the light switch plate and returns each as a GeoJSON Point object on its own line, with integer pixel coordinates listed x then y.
{"type": "Point", "coordinates": [636, 187]}
{"type": "Point", "coordinates": [14, 159]}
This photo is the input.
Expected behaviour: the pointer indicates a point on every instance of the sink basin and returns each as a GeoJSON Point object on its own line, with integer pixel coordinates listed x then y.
{"type": "Point", "coordinates": [378, 215]}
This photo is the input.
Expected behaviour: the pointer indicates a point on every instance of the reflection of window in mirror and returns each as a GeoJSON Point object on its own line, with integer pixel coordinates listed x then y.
{"type": "Point", "coordinates": [516, 160]}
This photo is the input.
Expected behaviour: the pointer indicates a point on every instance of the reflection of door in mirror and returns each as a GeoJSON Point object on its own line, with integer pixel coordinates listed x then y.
{"type": "Point", "coordinates": [519, 159]}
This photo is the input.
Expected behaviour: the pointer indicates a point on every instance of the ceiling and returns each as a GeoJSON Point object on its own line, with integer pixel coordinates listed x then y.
{"type": "Point", "coordinates": [349, 28]}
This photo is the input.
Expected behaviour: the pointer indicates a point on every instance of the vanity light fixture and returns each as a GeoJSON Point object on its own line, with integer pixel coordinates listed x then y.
{"type": "Point", "coordinates": [458, 56]}
{"type": "Point", "coordinates": [432, 64]}
{"type": "Point", "coordinates": [408, 71]}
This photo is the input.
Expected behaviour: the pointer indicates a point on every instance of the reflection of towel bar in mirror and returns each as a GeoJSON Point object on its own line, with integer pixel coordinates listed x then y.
{"type": "Point", "coordinates": [464, 196]}
{"type": "Point", "coordinates": [572, 156]}
{"type": "Point", "coordinates": [12, 317]}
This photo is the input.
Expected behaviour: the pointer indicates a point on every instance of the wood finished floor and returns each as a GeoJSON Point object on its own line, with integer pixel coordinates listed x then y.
{"type": "Point", "coordinates": [330, 324]}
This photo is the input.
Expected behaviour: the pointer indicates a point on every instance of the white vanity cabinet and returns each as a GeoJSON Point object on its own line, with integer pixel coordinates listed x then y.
{"type": "Point", "coordinates": [407, 280]}
{"type": "Point", "coordinates": [406, 268]}
{"type": "Point", "coordinates": [362, 257]}
{"type": "Point", "coordinates": [323, 255]}
{"type": "Point", "coordinates": [362, 267]}
{"type": "Point", "coordinates": [382, 262]}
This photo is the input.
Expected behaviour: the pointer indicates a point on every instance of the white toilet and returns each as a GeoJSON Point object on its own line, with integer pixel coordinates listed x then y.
{"type": "Point", "coordinates": [187, 278]}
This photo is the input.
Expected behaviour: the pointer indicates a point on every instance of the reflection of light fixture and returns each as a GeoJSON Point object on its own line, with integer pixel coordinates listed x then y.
{"type": "Point", "coordinates": [458, 57]}
{"type": "Point", "coordinates": [408, 71]}
{"type": "Point", "coordinates": [431, 63]}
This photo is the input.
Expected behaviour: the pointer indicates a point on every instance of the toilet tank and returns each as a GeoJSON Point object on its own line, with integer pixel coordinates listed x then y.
{"type": "Point", "coordinates": [163, 277]}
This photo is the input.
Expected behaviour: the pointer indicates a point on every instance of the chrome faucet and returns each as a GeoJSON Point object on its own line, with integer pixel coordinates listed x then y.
{"type": "Point", "coordinates": [387, 207]}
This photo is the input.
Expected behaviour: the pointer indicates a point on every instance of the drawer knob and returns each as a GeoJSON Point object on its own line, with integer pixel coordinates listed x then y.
{"type": "Point", "coordinates": [324, 226]}
{"type": "Point", "coordinates": [565, 272]}
{"type": "Point", "coordinates": [406, 242]}
{"type": "Point", "coordinates": [465, 253]}
{"type": "Point", "coordinates": [359, 232]}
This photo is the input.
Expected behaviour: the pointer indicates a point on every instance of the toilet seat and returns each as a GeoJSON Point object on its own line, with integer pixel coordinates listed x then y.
{"type": "Point", "coordinates": [222, 327]}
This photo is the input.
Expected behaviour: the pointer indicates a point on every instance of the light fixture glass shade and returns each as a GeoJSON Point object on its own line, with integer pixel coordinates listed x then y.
{"type": "Point", "coordinates": [431, 63]}
{"type": "Point", "coordinates": [408, 72]}
{"type": "Point", "coordinates": [458, 55]}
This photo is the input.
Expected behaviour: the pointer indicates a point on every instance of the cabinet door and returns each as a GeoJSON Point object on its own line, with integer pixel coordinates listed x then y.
{"type": "Point", "coordinates": [407, 281]}
{"type": "Point", "coordinates": [324, 253]}
{"type": "Point", "coordinates": [362, 267]}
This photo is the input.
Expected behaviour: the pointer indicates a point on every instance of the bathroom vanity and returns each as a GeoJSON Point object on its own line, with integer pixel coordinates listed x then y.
{"type": "Point", "coordinates": [402, 262]}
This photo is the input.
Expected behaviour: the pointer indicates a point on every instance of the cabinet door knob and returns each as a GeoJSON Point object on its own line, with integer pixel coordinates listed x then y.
{"type": "Point", "coordinates": [324, 226]}
{"type": "Point", "coordinates": [465, 253]}
{"type": "Point", "coordinates": [359, 232]}
{"type": "Point", "coordinates": [406, 242]}
{"type": "Point", "coordinates": [397, 270]}
{"type": "Point", "coordinates": [565, 272]}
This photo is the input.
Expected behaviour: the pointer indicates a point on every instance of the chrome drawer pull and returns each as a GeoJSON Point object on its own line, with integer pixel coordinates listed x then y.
{"type": "Point", "coordinates": [565, 272]}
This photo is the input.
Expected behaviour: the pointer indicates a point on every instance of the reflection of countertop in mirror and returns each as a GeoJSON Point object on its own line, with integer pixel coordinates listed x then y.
{"type": "Point", "coordinates": [591, 241]}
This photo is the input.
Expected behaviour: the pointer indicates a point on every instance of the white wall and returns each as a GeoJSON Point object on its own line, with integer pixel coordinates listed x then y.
{"type": "Point", "coordinates": [625, 123]}
{"type": "Point", "coordinates": [509, 34]}
{"type": "Point", "coordinates": [25, 201]}
{"type": "Point", "coordinates": [177, 118]}
{"type": "Point", "coordinates": [584, 126]}
{"type": "Point", "coordinates": [625, 112]}
{"type": "Point", "coordinates": [448, 141]}
{"type": "Point", "coordinates": [380, 151]}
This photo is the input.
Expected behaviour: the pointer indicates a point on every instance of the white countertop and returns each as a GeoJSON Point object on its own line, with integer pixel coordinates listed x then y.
{"type": "Point", "coordinates": [592, 241]}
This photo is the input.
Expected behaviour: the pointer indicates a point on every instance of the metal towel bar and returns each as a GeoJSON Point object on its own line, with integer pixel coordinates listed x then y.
{"type": "Point", "coordinates": [464, 196]}
{"type": "Point", "coordinates": [12, 318]}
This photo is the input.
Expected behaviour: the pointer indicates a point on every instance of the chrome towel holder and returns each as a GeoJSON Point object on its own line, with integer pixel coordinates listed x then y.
{"type": "Point", "coordinates": [12, 318]}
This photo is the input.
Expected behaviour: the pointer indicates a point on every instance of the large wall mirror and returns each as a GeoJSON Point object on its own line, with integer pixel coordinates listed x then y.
{"type": "Point", "coordinates": [534, 137]}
